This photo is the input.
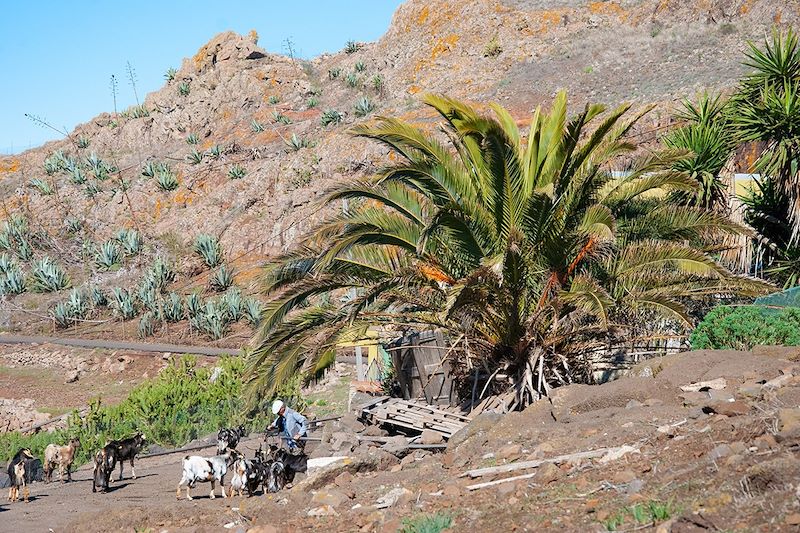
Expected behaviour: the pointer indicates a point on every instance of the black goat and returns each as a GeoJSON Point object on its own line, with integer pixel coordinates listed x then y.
{"type": "Point", "coordinates": [229, 438]}
{"type": "Point", "coordinates": [23, 456]}
{"type": "Point", "coordinates": [119, 451]}
{"type": "Point", "coordinates": [283, 468]}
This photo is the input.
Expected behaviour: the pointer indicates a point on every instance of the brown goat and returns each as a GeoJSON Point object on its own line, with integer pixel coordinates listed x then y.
{"type": "Point", "coordinates": [62, 457]}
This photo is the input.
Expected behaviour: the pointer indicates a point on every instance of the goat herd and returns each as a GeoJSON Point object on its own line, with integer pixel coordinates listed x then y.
{"type": "Point", "coordinates": [270, 469]}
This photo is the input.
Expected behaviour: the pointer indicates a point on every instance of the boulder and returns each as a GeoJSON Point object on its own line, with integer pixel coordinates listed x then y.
{"type": "Point", "coordinates": [727, 408]}
{"type": "Point", "coordinates": [510, 452]}
{"type": "Point", "coordinates": [431, 437]}
{"type": "Point", "coordinates": [547, 473]}
{"type": "Point", "coordinates": [325, 510]}
{"type": "Point", "coordinates": [333, 498]}
{"type": "Point", "coordinates": [396, 496]}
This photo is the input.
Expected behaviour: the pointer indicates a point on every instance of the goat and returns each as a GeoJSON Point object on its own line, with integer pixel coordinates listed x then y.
{"type": "Point", "coordinates": [229, 438]}
{"type": "Point", "coordinates": [124, 450]}
{"type": "Point", "coordinates": [283, 468]}
{"type": "Point", "coordinates": [19, 481]}
{"type": "Point", "coordinates": [62, 457]}
{"type": "Point", "coordinates": [213, 469]}
{"type": "Point", "coordinates": [16, 474]}
{"type": "Point", "coordinates": [101, 473]}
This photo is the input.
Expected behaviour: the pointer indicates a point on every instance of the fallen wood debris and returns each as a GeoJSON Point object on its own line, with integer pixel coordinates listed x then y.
{"type": "Point", "coordinates": [413, 415]}
{"type": "Point", "coordinates": [603, 454]}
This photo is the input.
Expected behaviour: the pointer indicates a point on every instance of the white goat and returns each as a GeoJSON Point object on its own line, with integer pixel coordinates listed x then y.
{"type": "Point", "coordinates": [61, 457]}
{"type": "Point", "coordinates": [213, 469]}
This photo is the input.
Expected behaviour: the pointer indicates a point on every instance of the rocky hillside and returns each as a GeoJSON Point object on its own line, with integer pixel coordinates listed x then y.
{"type": "Point", "coordinates": [240, 144]}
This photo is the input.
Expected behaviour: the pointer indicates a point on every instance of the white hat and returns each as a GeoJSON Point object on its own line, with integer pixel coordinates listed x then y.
{"type": "Point", "coordinates": [276, 406]}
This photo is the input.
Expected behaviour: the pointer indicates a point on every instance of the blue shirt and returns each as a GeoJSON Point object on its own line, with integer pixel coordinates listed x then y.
{"type": "Point", "coordinates": [293, 423]}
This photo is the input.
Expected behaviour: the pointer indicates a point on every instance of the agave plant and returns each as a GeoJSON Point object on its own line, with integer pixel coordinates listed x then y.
{"type": "Point", "coordinates": [522, 251]}
{"type": "Point", "coordinates": [312, 102]}
{"type": "Point", "coordinates": [78, 303]}
{"type": "Point", "coordinates": [108, 256]}
{"type": "Point", "coordinates": [173, 308]}
{"type": "Point", "coordinates": [48, 276]}
{"type": "Point", "coordinates": [124, 303]}
{"type": "Point", "coordinates": [130, 240]}
{"type": "Point", "coordinates": [62, 315]}
{"type": "Point", "coordinates": [53, 163]}
{"type": "Point", "coordinates": [195, 157]}
{"type": "Point", "coordinates": [192, 139]}
{"type": "Point", "coordinates": [83, 142]}
{"type": "Point", "coordinates": [213, 320]}
{"type": "Point", "coordinates": [252, 312]}
{"type": "Point", "coordinates": [377, 83]}
{"type": "Point", "coordinates": [194, 306]}
{"type": "Point", "coordinates": [296, 143]}
{"type": "Point", "coordinates": [234, 303]}
{"type": "Point", "coordinates": [147, 325]}
{"type": "Point", "coordinates": [274, 99]}
{"type": "Point", "coordinates": [6, 264]}
{"type": "Point", "coordinates": [364, 106]}
{"type": "Point", "coordinates": [170, 74]}
{"type": "Point", "coordinates": [77, 176]}
{"type": "Point", "coordinates": [166, 179]}
{"type": "Point", "coordinates": [43, 186]}
{"type": "Point", "coordinates": [12, 280]}
{"type": "Point", "coordinates": [73, 225]}
{"type": "Point", "coordinates": [92, 189]}
{"type": "Point", "coordinates": [184, 88]}
{"type": "Point", "coordinates": [360, 66]}
{"type": "Point", "coordinates": [161, 274]}
{"type": "Point", "coordinates": [221, 279]}
{"type": "Point", "coordinates": [256, 126]}
{"type": "Point", "coordinates": [137, 111]}
{"type": "Point", "coordinates": [351, 47]}
{"type": "Point", "coordinates": [334, 73]}
{"type": "Point", "coordinates": [330, 116]}
{"type": "Point", "coordinates": [236, 171]}
{"type": "Point", "coordinates": [98, 297]}
{"type": "Point", "coordinates": [150, 168]}
{"type": "Point", "coordinates": [24, 250]}
{"type": "Point", "coordinates": [209, 249]}
{"type": "Point", "coordinates": [280, 118]}
{"type": "Point", "coordinates": [351, 80]}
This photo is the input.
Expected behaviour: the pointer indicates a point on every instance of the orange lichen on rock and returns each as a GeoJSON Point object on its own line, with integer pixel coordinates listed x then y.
{"type": "Point", "coordinates": [608, 8]}
{"type": "Point", "coordinates": [423, 15]}
{"type": "Point", "coordinates": [746, 6]}
{"type": "Point", "coordinates": [414, 89]}
{"type": "Point", "coordinates": [253, 35]}
{"type": "Point", "coordinates": [9, 166]}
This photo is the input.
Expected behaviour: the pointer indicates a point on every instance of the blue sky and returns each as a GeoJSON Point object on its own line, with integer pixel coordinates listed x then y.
{"type": "Point", "coordinates": [57, 57]}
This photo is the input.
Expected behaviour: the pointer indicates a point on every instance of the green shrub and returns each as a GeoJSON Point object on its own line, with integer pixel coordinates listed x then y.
{"type": "Point", "coordinates": [221, 279]}
{"type": "Point", "coordinates": [330, 116]}
{"type": "Point", "coordinates": [48, 276]}
{"type": "Point", "coordinates": [364, 107]}
{"type": "Point", "coordinates": [274, 99]}
{"type": "Point", "coordinates": [108, 256]}
{"type": "Point", "coordinates": [351, 47]}
{"type": "Point", "coordinates": [312, 102]}
{"type": "Point", "coordinates": [351, 80]}
{"type": "Point", "coordinates": [43, 186]}
{"type": "Point", "coordinates": [427, 523]}
{"type": "Point", "coordinates": [208, 247]}
{"type": "Point", "coordinates": [492, 48]}
{"type": "Point", "coordinates": [743, 327]}
{"type": "Point", "coordinates": [236, 171]}
{"type": "Point", "coordinates": [184, 89]}
{"type": "Point", "coordinates": [178, 406]}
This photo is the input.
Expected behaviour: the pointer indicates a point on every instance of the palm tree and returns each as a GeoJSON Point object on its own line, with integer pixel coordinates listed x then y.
{"type": "Point", "coordinates": [709, 139]}
{"type": "Point", "coordinates": [767, 110]}
{"type": "Point", "coordinates": [528, 253]}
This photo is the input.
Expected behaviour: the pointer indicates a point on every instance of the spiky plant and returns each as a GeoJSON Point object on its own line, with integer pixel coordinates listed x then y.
{"type": "Point", "coordinates": [184, 88]}
{"type": "Point", "coordinates": [73, 225]}
{"type": "Point", "coordinates": [351, 47]}
{"type": "Point", "coordinates": [274, 99]}
{"type": "Point", "coordinates": [149, 169]}
{"type": "Point", "coordinates": [148, 294]}
{"type": "Point", "coordinates": [124, 303]}
{"type": "Point", "coordinates": [170, 74]}
{"type": "Point", "coordinates": [192, 139]}
{"type": "Point", "coordinates": [62, 315]}
{"type": "Point", "coordinates": [377, 83]}
{"type": "Point", "coordinates": [351, 80]}
{"type": "Point", "coordinates": [256, 126]}
{"type": "Point", "coordinates": [252, 312]}
{"type": "Point", "coordinates": [215, 152]}
{"type": "Point", "coordinates": [12, 280]}
{"type": "Point", "coordinates": [161, 274]}
{"type": "Point", "coordinates": [98, 296]}
{"type": "Point", "coordinates": [234, 303]}
{"type": "Point", "coordinates": [364, 106]}
{"type": "Point", "coordinates": [280, 118]}
{"type": "Point", "coordinates": [330, 116]}
{"type": "Point", "coordinates": [78, 302]}
{"type": "Point", "coordinates": [6, 263]}
{"type": "Point", "coordinates": [166, 179]}
{"type": "Point", "coordinates": [43, 186]}
{"type": "Point", "coordinates": [209, 249]}
{"type": "Point", "coordinates": [48, 276]}
{"type": "Point", "coordinates": [83, 142]}
{"type": "Point", "coordinates": [52, 164]}
{"type": "Point", "coordinates": [92, 189]}
{"type": "Point", "coordinates": [130, 240]}
{"type": "Point", "coordinates": [108, 256]}
{"type": "Point", "coordinates": [221, 279]}
{"type": "Point", "coordinates": [236, 171]}
{"type": "Point", "coordinates": [360, 66]}
{"type": "Point", "coordinates": [312, 102]}
{"type": "Point", "coordinates": [213, 320]}
{"type": "Point", "coordinates": [523, 251]}
{"type": "Point", "coordinates": [296, 143]}
{"type": "Point", "coordinates": [147, 325]}
{"type": "Point", "coordinates": [77, 176]}
{"type": "Point", "coordinates": [138, 111]}
{"type": "Point", "coordinates": [195, 157]}
{"type": "Point", "coordinates": [194, 306]}
{"type": "Point", "coordinates": [173, 308]}
{"type": "Point", "coordinates": [23, 249]}
{"type": "Point", "coordinates": [334, 73]}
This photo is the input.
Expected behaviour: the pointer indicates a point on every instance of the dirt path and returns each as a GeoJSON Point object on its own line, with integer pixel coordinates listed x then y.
{"type": "Point", "coordinates": [118, 345]}
{"type": "Point", "coordinates": [64, 507]}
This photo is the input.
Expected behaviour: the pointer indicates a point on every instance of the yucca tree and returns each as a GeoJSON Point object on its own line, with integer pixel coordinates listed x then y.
{"type": "Point", "coordinates": [767, 110]}
{"type": "Point", "coordinates": [527, 252]}
{"type": "Point", "coordinates": [709, 140]}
